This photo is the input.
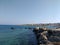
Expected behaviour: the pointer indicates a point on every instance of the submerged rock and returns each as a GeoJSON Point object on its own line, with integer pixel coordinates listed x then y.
{"type": "Point", "coordinates": [29, 28]}
{"type": "Point", "coordinates": [25, 27]}
{"type": "Point", "coordinates": [12, 28]}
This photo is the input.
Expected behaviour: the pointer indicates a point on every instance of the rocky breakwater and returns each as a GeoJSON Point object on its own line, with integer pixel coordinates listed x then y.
{"type": "Point", "coordinates": [46, 36]}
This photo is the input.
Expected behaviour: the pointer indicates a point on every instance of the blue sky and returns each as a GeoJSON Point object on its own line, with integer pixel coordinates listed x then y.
{"type": "Point", "coordinates": [29, 11]}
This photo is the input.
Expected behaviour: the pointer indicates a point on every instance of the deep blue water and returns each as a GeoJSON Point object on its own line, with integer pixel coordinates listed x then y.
{"type": "Point", "coordinates": [18, 36]}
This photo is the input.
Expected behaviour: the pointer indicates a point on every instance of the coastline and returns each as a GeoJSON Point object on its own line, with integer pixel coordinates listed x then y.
{"type": "Point", "coordinates": [52, 33]}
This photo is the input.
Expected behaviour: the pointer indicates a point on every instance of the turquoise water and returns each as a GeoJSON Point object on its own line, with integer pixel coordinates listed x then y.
{"type": "Point", "coordinates": [18, 36]}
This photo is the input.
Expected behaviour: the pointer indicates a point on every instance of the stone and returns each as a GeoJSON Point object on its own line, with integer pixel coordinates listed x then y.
{"type": "Point", "coordinates": [12, 28]}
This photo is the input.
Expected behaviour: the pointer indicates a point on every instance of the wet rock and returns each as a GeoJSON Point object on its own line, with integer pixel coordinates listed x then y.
{"type": "Point", "coordinates": [54, 39]}
{"type": "Point", "coordinates": [37, 28]}
{"type": "Point", "coordinates": [50, 33]}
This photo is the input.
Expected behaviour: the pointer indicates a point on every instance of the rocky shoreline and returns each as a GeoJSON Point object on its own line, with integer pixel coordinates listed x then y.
{"type": "Point", "coordinates": [47, 36]}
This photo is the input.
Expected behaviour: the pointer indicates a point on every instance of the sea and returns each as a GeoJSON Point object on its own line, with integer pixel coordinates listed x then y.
{"type": "Point", "coordinates": [17, 36]}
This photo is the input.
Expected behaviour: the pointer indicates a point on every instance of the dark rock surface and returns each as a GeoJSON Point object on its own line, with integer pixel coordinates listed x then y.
{"type": "Point", "coordinates": [48, 37]}
{"type": "Point", "coordinates": [12, 28]}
